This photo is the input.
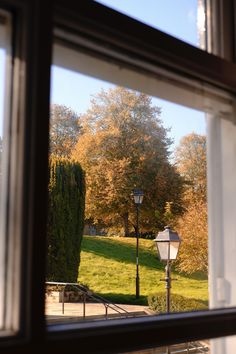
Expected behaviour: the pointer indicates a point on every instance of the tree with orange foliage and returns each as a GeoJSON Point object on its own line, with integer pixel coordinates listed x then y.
{"type": "Point", "coordinates": [192, 225]}
{"type": "Point", "coordinates": [123, 146]}
{"type": "Point", "coordinates": [64, 130]}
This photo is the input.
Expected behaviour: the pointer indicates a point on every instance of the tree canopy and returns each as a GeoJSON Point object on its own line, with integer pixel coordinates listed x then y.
{"type": "Point", "coordinates": [191, 161]}
{"type": "Point", "coordinates": [123, 146]}
{"type": "Point", "coordinates": [64, 130]}
{"type": "Point", "coordinates": [192, 225]}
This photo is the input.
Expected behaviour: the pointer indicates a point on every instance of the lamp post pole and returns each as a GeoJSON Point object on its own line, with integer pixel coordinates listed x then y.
{"type": "Point", "coordinates": [168, 243]}
{"type": "Point", "coordinates": [168, 285]}
{"type": "Point", "coordinates": [138, 199]}
{"type": "Point", "coordinates": [137, 251]}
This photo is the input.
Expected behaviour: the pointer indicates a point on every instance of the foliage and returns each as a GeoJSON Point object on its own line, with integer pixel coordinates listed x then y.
{"type": "Point", "coordinates": [65, 220]}
{"type": "Point", "coordinates": [178, 303]}
{"type": "Point", "coordinates": [190, 158]}
{"type": "Point", "coordinates": [64, 130]}
{"type": "Point", "coordinates": [125, 146]}
{"type": "Point", "coordinates": [192, 225]}
{"type": "Point", "coordinates": [108, 267]}
{"type": "Point", "coordinates": [193, 255]}
{"type": "Point", "coordinates": [169, 217]}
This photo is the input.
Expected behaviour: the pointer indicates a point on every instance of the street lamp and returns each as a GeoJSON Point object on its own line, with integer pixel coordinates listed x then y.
{"type": "Point", "coordinates": [138, 199]}
{"type": "Point", "coordinates": [168, 243]}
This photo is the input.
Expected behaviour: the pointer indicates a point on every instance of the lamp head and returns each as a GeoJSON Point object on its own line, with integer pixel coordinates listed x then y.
{"type": "Point", "coordinates": [167, 243]}
{"type": "Point", "coordinates": [138, 196]}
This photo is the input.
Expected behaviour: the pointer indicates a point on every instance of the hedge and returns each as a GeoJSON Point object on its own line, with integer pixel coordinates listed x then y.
{"type": "Point", "coordinates": [65, 219]}
{"type": "Point", "coordinates": [178, 303]}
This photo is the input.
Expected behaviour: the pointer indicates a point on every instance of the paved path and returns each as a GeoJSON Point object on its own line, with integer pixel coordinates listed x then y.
{"type": "Point", "coordinates": [75, 311]}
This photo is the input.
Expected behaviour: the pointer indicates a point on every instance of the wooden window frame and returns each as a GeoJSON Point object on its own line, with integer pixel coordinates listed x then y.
{"type": "Point", "coordinates": [143, 49]}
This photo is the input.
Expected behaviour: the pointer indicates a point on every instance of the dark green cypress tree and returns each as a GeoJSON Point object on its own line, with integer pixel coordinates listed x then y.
{"type": "Point", "coordinates": [65, 219]}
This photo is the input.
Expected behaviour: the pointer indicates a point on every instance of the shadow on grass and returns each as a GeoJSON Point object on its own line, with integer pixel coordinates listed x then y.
{"type": "Point", "coordinates": [126, 253]}
{"type": "Point", "coordinates": [125, 299]}
{"type": "Point", "coordinates": [113, 249]}
{"type": "Point", "coordinates": [204, 302]}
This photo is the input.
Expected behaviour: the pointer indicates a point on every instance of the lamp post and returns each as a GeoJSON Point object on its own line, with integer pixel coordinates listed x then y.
{"type": "Point", "coordinates": [138, 199]}
{"type": "Point", "coordinates": [168, 243]}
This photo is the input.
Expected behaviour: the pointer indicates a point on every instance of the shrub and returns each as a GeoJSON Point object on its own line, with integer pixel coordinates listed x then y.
{"type": "Point", "coordinates": [65, 219]}
{"type": "Point", "coordinates": [178, 303]}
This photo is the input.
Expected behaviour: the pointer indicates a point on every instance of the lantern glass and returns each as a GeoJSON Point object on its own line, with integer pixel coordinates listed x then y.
{"type": "Point", "coordinates": [138, 199]}
{"type": "Point", "coordinates": [174, 247]}
{"type": "Point", "coordinates": [168, 250]}
{"type": "Point", "coordinates": [163, 249]}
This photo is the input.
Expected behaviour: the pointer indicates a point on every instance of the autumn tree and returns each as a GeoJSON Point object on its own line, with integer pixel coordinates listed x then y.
{"type": "Point", "coordinates": [124, 146]}
{"type": "Point", "coordinates": [190, 157]}
{"type": "Point", "coordinates": [64, 130]}
{"type": "Point", "coordinates": [192, 225]}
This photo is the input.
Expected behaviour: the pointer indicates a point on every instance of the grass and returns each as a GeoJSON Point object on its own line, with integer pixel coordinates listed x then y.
{"type": "Point", "coordinates": [108, 267]}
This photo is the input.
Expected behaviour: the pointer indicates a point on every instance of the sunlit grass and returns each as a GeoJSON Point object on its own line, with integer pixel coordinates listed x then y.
{"type": "Point", "coordinates": [108, 267]}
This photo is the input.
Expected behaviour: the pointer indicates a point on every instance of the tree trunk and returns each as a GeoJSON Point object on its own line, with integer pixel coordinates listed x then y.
{"type": "Point", "coordinates": [135, 229]}
{"type": "Point", "coordinates": [126, 224]}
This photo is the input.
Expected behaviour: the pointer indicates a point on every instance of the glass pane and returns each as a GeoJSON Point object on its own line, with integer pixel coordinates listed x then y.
{"type": "Point", "coordinates": [202, 346]}
{"type": "Point", "coordinates": [163, 248]}
{"type": "Point", "coordinates": [174, 246]}
{"type": "Point", "coordinates": [5, 60]}
{"type": "Point", "coordinates": [106, 265]}
{"type": "Point", "coordinates": [223, 345]}
{"type": "Point", "coordinates": [2, 167]}
{"type": "Point", "coordinates": [183, 19]}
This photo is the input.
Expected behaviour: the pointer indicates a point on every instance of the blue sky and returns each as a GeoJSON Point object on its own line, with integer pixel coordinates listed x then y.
{"type": "Point", "coordinates": [176, 17]}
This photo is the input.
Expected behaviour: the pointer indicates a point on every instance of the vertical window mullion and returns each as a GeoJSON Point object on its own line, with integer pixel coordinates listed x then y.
{"type": "Point", "coordinates": [5, 43]}
{"type": "Point", "coordinates": [34, 52]}
{"type": "Point", "coordinates": [221, 28]}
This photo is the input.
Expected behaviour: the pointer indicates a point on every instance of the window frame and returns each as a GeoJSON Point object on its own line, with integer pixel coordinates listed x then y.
{"type": "Point", "coordinates": [143, 49]}
{"type": "Point", "coordinates": [30, 72]}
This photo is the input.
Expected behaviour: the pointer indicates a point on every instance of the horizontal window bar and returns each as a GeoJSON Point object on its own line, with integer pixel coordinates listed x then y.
{"type": "Point", "coordinates": [144, 45]}
{"type": "Point", "coordinates": [131, 334]}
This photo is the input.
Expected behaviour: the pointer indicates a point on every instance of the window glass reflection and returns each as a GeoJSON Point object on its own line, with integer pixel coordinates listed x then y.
{"type": "Point", "coordinates": [184, 19]}
{"type": "Point", "coordinates": [102, 258]}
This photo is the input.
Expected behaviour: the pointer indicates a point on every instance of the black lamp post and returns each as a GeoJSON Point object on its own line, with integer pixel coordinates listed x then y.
{"type": "Point", "coordinates": [138, 199]}
{"type": "Point", "coordinates": [168, 243]}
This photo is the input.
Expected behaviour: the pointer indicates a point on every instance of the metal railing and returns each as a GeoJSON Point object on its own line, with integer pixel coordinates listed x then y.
{"type": "Point", "coordinates": [88, 294]}
{"type": "Point", "coordinates": [190, 347]}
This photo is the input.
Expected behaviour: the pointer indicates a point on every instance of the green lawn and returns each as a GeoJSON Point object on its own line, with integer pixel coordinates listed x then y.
{"type": "Point", "coordinates": [108, 267]}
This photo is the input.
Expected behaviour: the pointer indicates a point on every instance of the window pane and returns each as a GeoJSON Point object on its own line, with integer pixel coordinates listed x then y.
{"type": "Point", "coordinates": [5, 58]}
{"type": "Point", "coordinates": [2, 170]}
{"type": "Point", "coordinates": [122, 139]}
{"type": "Point", "coordinates": [223, 345]}
{"type": "Point", "coordinates": [184, 19]}
{"type": "Point", "coordinates": [190, 347]}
